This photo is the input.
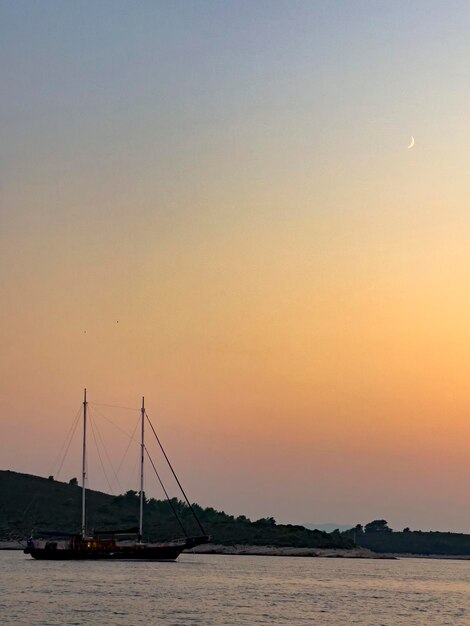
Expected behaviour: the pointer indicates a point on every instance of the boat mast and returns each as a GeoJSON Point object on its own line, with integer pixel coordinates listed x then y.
{"type": "Point", "coordinates": [84, 466]}
{"type": "Point", "coordinates": [142, 449]}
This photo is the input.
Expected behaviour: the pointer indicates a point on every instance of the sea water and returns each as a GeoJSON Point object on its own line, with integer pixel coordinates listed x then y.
{"type": "Point", "coordinates": [234, 590]}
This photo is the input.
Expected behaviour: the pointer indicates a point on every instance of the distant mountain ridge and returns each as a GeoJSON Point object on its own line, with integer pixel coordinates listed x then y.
{"type": "Point", "coordinates": [32, 502]}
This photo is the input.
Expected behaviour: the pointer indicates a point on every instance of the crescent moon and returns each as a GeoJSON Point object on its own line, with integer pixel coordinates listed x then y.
{"type": "Point", "coordinates": [412, 143]}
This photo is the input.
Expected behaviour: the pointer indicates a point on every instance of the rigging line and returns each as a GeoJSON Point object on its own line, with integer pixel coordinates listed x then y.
{"type": "Point", "coordinates": [99, 453]}
{"type": "Point", "coordinates": [176, 477]}
{"type": "Point", "coordinates": [115, 406]}
{"type": "Point", "coordinates": [166, 493]}
{"type": "Point", "coordinates": [31, 502]}
{"type": "Point", "coordinates": [111, 422]}
{"type": "Point", "coordinates": [77, 419]}
{"type": "Point", "coordinates": [128, 446]}
{"type": "Point", "coordinates": [69, 438]}
{"type": "Point", "coordinates": [107, 455]}
{"type": "Point", "coordinates": [131, 437]}
{"type": "Point", "coordinates": [70, 434]}
{"type": "Point", "coordinates": [19, 540]}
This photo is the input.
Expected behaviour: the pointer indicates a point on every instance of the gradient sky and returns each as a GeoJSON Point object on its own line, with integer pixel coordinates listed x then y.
{"type": "Point", "coordinates": [213, 204]}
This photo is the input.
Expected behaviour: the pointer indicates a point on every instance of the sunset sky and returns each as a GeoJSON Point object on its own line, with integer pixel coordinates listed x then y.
{"type": "Point", "coordinates": [212, 204]}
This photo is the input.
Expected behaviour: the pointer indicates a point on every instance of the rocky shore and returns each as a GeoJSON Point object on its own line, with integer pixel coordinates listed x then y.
{"type": "Point", "coordinates": [331, 553]}
{"type": "Point", "coordinates": [10, 545]}
{"type": "Point", "coordinates": [451, 557]}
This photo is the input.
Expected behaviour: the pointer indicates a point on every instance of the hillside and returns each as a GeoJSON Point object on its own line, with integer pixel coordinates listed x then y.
{"type": "Point", "coordinates": [31, 502]}
{"type": "Point", "coordinates": [377, 536]}
{"type": "Point", "coordinates": [417, 542]}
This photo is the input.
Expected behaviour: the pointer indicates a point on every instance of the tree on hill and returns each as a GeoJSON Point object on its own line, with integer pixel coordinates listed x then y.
{"type": "Point", "coordinates": [377, 526]}
{"type": "Point", "coordinates": [265, 521]}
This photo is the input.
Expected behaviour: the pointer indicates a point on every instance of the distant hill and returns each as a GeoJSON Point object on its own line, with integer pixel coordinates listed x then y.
{"type": "Point", "coordinates": [417, 542]}
{"type": "Point", "coordinates": [328, 527]}
{"type": "Point", "coordinates": [377, 536]}
{"type": "Point", "coordinates": [31, 502]}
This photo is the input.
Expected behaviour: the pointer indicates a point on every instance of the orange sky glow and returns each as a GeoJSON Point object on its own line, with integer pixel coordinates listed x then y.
{"type": "Point", "coordinates": [240, 234]}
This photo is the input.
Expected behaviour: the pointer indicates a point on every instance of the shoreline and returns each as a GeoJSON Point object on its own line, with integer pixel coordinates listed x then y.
{"type": "Point", "coordinates": [328, 553]}
{"type": "Point", "coordinates": [10, 545]}
{"type": "Point", "coordinates": [442, 557]}
{"type": "Point", "coordinates": [250, 550]}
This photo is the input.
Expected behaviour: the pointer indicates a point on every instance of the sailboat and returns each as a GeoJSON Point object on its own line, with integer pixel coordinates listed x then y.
{"type": "Point", "coordinates": [108, 545]}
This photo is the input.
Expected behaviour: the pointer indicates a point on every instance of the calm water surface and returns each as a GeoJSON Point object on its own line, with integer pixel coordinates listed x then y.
{"type": "Point", "coordinates": [234, 590]}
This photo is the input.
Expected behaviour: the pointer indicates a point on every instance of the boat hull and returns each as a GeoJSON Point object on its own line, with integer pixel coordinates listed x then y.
{"type": "Point", "coordinates": [83, 550]}
{"type": "Point", "coordinates": [159, 553]}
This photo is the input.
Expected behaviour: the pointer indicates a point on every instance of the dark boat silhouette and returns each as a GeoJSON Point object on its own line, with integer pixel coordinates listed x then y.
{"type": "Point", "coordinates": [118, 545]}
